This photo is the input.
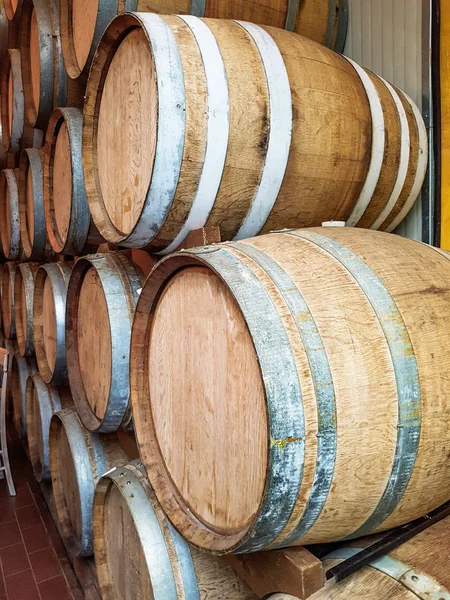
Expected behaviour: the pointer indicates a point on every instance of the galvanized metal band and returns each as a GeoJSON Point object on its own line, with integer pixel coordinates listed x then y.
{"type": "Point", "coordinates": [332, 15]}
{"type": "Point", "coordinates": [186, 565]}
{"type": "Point", "coordinates": [323, 386]}
{"type": "Point", "coordinates": [60, 99]}
{"type": "Point", "coordinates": [198, 8]}
{"type": "Point", "coordinates": [279, 135]}
{"type": "Point", "coordinates": [105, 14]}
{"type": "Point", "coordinates": [171, 131]}
{"type": "Point", "coordinates": [28, 285]}
{"type": "Point", "coordinates": [98, 454]}
{"type": "Point", "coordinates": [218, 129]}
{"type": "Point", "coordinates": [17, 110]}
{"type": "Point", "coordinates": [341, 36]}
{"type": "Point", "coordinates": [59, 291]}
{"type": "Point", "coordinates": [283, 396]}
{"type": "Point", "coordinates": [48, 404]}
{"type": "Point", "coordinates": [39, 240]}
{"type": "Point", "coordinates": [80, 216]}
{"type": "Point", "coordinates": [421, 585]}
{"type": "Point", "coordinates": [405, 153]}
{"type": "Point", "coordinates": [149, 531]}
{"type": "Point", "coordinates": [85, 480]}
{"type": "Point", "coordinates": [22, 368]}
{"type": "Point", "coordinates": [293, 8]}
{"type": "Point", "coordinates": [14, 217]}
{"type": "Point", "coordinates": [378, 146]}
{"type": "Point", "coordinates": [405, 369]}
{"type": "Point", "coordinates": [422, 166]}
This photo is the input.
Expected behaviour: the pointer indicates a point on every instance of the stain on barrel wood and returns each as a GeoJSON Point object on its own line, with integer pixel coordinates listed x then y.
{"type": "Point", "coordinates": [21, 369]}
{"type": "Point", "coordinates": [78, 459]}
{"type": "Point", "coordinates": [192, 123]}
{"type": "Point", "coordinates": [335, 337]}
{"type": "Point", "coordinates": [42, 402]}
{"type": "Point", "coordinates": [49, 317]}
{"type": "Point", "coordinates": [23, 307]}
{"type": "Point", "coordinates": [101, 298]}
{"type": "Point", "coordinates": [8, 319]}
{"type": "Point", "coordinates": [9, 214]}
{"type": "Point", "coordinates": [68, 220]}
{"type": "Point", "coordinates": [158, 563]}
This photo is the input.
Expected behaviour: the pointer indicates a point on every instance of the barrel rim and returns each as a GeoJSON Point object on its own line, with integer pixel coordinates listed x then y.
{"type": "Point", "coordinates": [12, 134]}
{"type": "Point", "coordinates": [11, 246]}
{"type": "Point", "coordinates": [9, 10]}
{"type": "Point", "coordinates": [9, 272]}
{"type": "Point", "coordinates": [17, 369]}
{"type": "Point", "coordinates": [25, 275]}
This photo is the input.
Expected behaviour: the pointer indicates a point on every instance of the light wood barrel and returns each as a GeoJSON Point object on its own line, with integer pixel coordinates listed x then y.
{"type": "Point", "coordinates": [191, 123]}
{"type": "Point", "coordinates": [101, 298]}
{"type": "Point", "coordinates": [33, 233]}
{"type": "Point", "coordinates": [415, 570]}
{"type": "Point", "coordinates": [49, 317]}
{"type": "Point", "coordinates": [158, 563]}
{"type": "Point", "coordinates": [83, 22]}
{"type": "Point", "coordinates": [23, 307]}
{"type": "Point", "coordinates": [8, 279]}
{"type": "Point", "coordinates": [78, 459]}
{"type": "Point", "coordinates": [42, 402]}
{"type": "Point", "coordinates": [45, 81]}
{"type": "Point", "coordinates": [21, 368]}
{"type": "Point", "coordinates": [68, 220]}
{"type": "Point", "coordinates": [336, 338]}
{"type": "Point", "coordinates": [9, 214]}
{"type": "Point", "coordinates": [11, 8]}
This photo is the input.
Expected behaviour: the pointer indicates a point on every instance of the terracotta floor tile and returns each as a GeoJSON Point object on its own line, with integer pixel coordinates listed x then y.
{"type": "Point", "coordinates": [9, 534]}
{"type": "Point", "coordinates": [2, 587]}
{"type": "Point", "coordinates": [22, 587]}
{"type": "Point", "coordinates": [45, 564]}
{"type": "Point", "coordinates": [28, 516]}
{"type": "Point", "coordinates": [7, 514]}
{"type": "Point", "coordinates": [36, 538]}
{"type": "Point", "coordinates": [53, 589]}
{"type": "Point", "coordinates": [14, 559]}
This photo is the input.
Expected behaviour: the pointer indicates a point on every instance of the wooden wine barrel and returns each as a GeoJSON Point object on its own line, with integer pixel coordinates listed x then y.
{"type": "Point", "coordinates": [67, 216]}
{"type": "Point", "coordinates": [78, 458]}
{"type": "Point", "coordinates": [9, 214]}
{"type": "Point", "coordinates": [8, 279]}
{"type": "Point", "coordinates": [101, 298]}
{"type": "Point", "coordinates": [12, 101]}
{"type": "Point", "coordinates": [415, 570]}
{"type": "Point", "coordinates": [49, 317]}
{"type": "Point", "coordinates": [83, 23]}
{"type": "Point", "coordinates": [45, 81]}
{"type": "Point", "coordinates": [21, 368]}
{"type": "Point", "coordinates": [11, 8]}
{"type": "Point", "coordinates": [282, 597]}
{"type": "Point", "coordinates": [158, 563]}
{"type": "Point", "coordinates": [23, 307]}
{"type": "Point", "coordinates": [247, 128]}
{"type": "Point", "coordinates": [42, 402]}
{"type": "Point", "coordinates": [336, 339]}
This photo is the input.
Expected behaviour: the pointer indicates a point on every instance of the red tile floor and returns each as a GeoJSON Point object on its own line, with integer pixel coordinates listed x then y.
{"type": "Point", "coordinates": [33, 561]}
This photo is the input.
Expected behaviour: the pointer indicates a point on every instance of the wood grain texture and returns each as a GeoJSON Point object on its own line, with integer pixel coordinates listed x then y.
{"type": "Point", "coordinates": [348, 327]}
{"type": "Point", "coordinates": [8, 320]}
{"type": "Point", "coordinates": [9, 214]}
{"type": "Point", "coordinates": [23, 307]}
{"type": "Point", "coordinates": [127, 514]}
{"type": "Point", "coordinates": [21, 368]}
{"type": "Point", "coordinates": [12, 102]}
{"type": "Point", "coordinates": [445, 128]}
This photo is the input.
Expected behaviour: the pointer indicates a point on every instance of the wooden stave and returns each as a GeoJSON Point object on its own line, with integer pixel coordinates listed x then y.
{"type": "Point", "coordinates": [82, 236]}
{"type": "Point", "coordinates": [114, 269]}
{"type": "Point", "coordinates": [58, 274]}
{"type": "Point", "coordinates": [165, 545]}
{"type": "Point", "coordinates": [152, 290]}
{"type": "Point", "coordinates": [9, 272]}
{"type": "Point", "coordinates": [10, 10]}
{"type": "Point", "coordinates": [12, 247]}
{"type": "Point", "coordinates": [99, 211]}
{"type": "Point", "coordinates": [25, 339]}
{"type": "Point", "coordinates": [11, 68]}
{"type": "Point", "coordinates": [108, 10]}
{"type": "Point", "coordinates": [4, 26]}
{"type": "Point", "coordinates": [95, 454]}
{"type": "Point", "coordinates": [21, 368]}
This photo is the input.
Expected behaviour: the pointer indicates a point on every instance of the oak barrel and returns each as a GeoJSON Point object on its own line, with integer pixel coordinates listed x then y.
{"type": "Point", "coordinates": [8, 279]}
{"type": "Point", "coordinates": [49, 318]}
{"type": "Point", "coordinates": [4, 26]}
{"type": "Point", "coordinates": [33, 233]}
{"type": "Point", "coordinates": [78, 458]}
{"type": "Point", "coordinates": [101, 298]}
{"type": "Point", "coordinates": [11, 8]}
{"type": "Point", "coordinates": [21, 368]}
{"type": "Point", "coordinates": [23, 307]}
{"type": "Point", "coordinates": [83, 22]}
{"type": "Point", "coordinates": [417, 569]}
{"type": "Point", "coordinates": [42, 402]}
{"type": "Point", "coordinates": [158, 563]}
{"type": "Point", "coordinates": [322, 353]}
{"type": "Point", "coordinates": [12, 101]}
{"type": "Point", "coordinates": [68, 220]}
{"type": "Point", "coordinates": [9, 214]}
{"type": "Point", "coordinates": [191, 123]}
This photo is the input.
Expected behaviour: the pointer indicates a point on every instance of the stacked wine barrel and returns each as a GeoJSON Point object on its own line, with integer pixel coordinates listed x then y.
{"type": "Point", "coordinates": [224, 398]}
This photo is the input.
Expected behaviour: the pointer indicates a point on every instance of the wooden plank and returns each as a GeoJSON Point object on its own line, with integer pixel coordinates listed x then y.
{"type": "Point", "coordinates": [290, 571]}
{"type": "Point", "coordinates": [202, 237]}
{"type": "Point", "coordinates": [445, 120]}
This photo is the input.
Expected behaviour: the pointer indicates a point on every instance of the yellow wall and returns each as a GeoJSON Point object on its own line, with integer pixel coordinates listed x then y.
{"type": "Point", "coordinates": [445, 119]}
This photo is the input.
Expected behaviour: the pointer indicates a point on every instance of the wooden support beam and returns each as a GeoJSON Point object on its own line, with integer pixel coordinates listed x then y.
{"type": "Point", "coordinates": [292, 571]}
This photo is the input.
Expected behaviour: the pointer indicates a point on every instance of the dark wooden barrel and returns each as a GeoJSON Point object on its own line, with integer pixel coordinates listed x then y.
{"type": "Point", "coordinates": [336, 338]}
